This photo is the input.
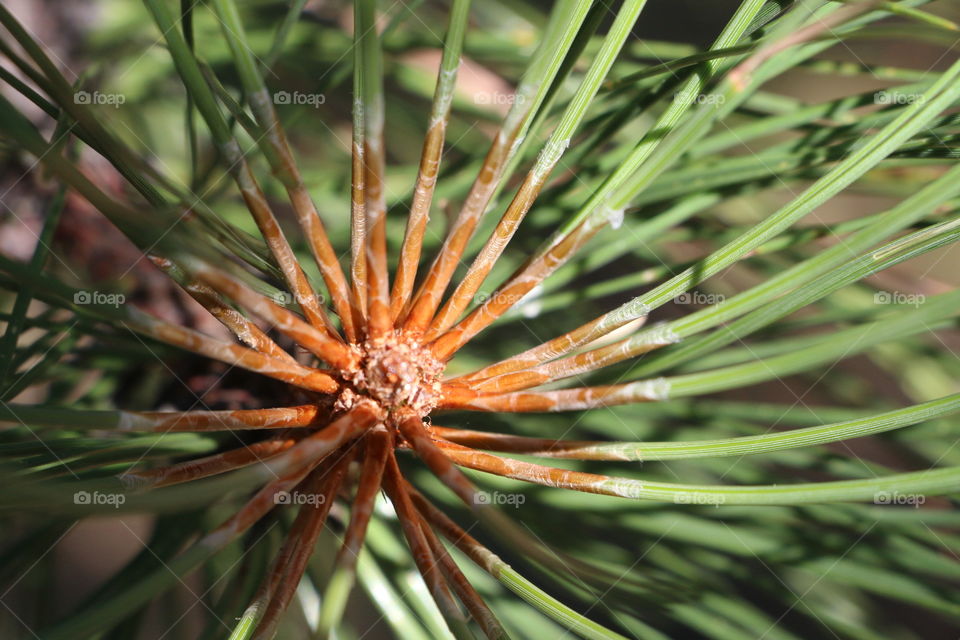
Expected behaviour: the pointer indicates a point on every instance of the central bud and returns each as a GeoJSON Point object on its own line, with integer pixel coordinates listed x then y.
{"type": "Point", "coordinates": [397, 372]}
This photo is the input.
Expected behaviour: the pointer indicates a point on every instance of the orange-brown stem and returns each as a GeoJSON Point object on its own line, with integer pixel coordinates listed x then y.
{"type": "Point", "coordinates": [330, 350]}
{"type": "Point", "coordinates": [288, 568]}
{"type": "Point", "coordinates": [546, 447]}
{"type": "Point", "coordinates": [554, 348]}
{"type": "Point", "coordinates": [285, 167]}
{"type": "Point", "coordinates": [344, 429]}
{"type": "Point", "coordinates": [244, 329]}
{"type": "Point", "coordinates": [472, 600]}
{"type": "Point", "coordinates": [378, 286]}
{"type": "Point", "coordinates": [466, 543]}
{"type": "Point", "coordinates": [270, 229]}
{"type": "Point", "coordinates": [567, 367]}
{"type": "Point", "coordinates": [305, 415]}
{"type": "Point", "coordinates": [376, 445]}
{"type": "Point", "coordinates": [538, 473]}
{"type": "Point", "coordinates": [419, 439]}
{"type": "Point", "coordinates": [232, 354]}
{"type": "Point", "coordinates": [358, 239]}
{"type": "Point", "coordinates": [419, 215]}
{"type": "Point", "coordinates": [208, 466]}
{"type": "Point", "coordinates": [514, 289]}
{"type": "Point", "coordinates": [326, 259]}
{"type": "Point", "coordinates": [422, 555]}
{"type": "Point", "coordinates": [462, 296]}
{"type": "Point", "coordinates": [575, 399]}
{"type": "Point", "coordinates": [313, 486]}
{"type": "Point", "coordinates": [428, 297]}
{"type": "Point", "coordinates": [262, 502]}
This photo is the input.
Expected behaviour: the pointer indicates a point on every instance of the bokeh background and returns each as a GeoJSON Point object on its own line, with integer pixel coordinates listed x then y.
{"type": "Point", "coordinates": [113, 45]}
